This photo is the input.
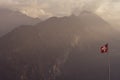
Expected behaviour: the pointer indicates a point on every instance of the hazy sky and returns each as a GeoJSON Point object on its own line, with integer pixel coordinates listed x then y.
{"type": "Point", "coordinates": [108, 9]}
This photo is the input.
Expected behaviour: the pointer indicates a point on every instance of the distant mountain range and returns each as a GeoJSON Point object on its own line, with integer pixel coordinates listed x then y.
{"type": "Point", "coordinates": [65, 48]}
{"type": "Point", "coordinates": [10, 19]}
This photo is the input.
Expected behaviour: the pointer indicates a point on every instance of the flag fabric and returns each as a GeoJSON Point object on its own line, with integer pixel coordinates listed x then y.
{"type": "Point", "coordinates": [104, 48]}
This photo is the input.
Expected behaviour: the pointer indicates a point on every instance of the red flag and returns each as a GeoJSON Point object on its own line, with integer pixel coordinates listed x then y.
{"type": "Point", "coordinates": [104, 48]}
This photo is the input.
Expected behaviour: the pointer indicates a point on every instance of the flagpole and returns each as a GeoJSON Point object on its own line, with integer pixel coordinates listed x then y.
{"type": "Point", "coordinates": [109, 71]}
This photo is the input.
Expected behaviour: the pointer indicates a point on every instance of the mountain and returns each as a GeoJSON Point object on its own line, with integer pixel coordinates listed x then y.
{"type": "Point", "coordinates": [10, 19]}
{"type": "Point", "coordinates": [65, 48]}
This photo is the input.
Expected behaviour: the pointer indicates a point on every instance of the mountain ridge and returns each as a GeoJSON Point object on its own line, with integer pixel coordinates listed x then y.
{"type": "Point", "coordinates": [10, 19]}
{"type": "Point", "coordinates": [56, 49]}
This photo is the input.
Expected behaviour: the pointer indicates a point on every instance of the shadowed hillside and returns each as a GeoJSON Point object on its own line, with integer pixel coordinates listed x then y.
{"type": "Point", "coordinates": [64, 48]}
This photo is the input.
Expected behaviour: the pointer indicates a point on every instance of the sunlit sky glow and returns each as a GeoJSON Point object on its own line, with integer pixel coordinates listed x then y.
{"type": "Point", "coordinates": [107, 9]}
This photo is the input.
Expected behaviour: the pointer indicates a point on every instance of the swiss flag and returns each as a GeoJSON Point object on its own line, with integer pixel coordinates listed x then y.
{"type": "Point", "coordinates": [104, 48]}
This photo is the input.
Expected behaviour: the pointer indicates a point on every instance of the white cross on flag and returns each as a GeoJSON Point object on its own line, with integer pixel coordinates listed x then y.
{"type": "Point", "coordinates": [104, 48]}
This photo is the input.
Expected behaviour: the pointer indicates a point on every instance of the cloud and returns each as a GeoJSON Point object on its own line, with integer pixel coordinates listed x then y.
{"type": "Point", "coordinates": [110, 12]}
{"type": "Point", "coordinates": [53, 7]}
{"type": "Point", "coordinates": [34, 10]}
{"type": "Point", "coordinates": [108, 9]}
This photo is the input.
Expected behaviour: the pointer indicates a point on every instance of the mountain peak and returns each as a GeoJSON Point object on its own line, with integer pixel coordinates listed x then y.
{"type": "Point", "coordinates": [39, 52]}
